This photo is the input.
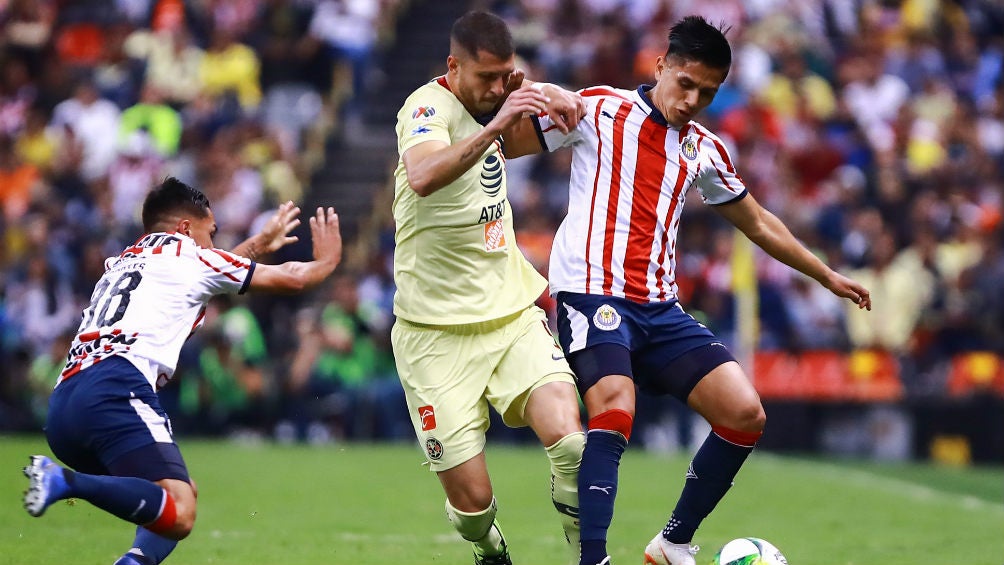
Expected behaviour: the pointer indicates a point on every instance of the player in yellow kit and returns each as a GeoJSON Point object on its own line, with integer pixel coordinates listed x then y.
{"type": "Point", "coordinates": [467, 332]}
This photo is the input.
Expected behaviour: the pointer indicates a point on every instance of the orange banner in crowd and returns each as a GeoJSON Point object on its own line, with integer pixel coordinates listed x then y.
{"type": "Point", "coordinates": [863, 375]}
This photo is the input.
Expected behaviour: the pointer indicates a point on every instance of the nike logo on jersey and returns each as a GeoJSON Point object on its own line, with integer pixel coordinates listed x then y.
{"type": "Point", "coordinates": [604, 490]}
{"type": "Point", "coordinates": [557, 356]}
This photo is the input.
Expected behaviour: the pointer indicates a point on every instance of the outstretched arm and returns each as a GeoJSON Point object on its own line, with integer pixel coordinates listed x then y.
{"type": "Point", "coordinates": [771, 235]}
{"type": "Point", "coordinates": [273, 235]}
{"type": "Point", "coordinates": [297, 276]}
{"type": "Point", "coordinates": [435, 164]}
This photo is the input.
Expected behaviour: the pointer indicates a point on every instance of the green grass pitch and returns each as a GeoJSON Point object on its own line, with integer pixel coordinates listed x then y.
{"type": "Point", "coordinates": [377, 505]}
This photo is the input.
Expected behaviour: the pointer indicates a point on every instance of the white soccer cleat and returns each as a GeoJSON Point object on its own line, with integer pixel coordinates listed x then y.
{"type": "Point", "coordinates": [46, 484]}
{"type": "Point", "coordinates": [661, 552]}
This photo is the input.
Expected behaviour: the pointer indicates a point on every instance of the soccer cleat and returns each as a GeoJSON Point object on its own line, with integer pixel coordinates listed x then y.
{"type": "Point", "coordinates": [502, 558]}
{"type": "Point", "coordinates": [661, 552]}
{"type": "Point", "coordinates": [46, 484]}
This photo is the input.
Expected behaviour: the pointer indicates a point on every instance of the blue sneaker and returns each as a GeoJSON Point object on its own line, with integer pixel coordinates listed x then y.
{"type": "Point", "coordinates": [46, 484]}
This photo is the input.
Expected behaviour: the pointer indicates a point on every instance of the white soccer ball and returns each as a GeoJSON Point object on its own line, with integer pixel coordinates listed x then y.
{"type": "Point", "coordinates": [749, 551]}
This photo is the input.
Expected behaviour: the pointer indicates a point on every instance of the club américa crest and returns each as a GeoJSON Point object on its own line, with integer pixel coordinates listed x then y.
{"type": "Point", "coordinates": [689, 148]}
{"type": "Point", "coordinates": [434, 448]}
{"type": "Point", "coordinates": [606, 318]}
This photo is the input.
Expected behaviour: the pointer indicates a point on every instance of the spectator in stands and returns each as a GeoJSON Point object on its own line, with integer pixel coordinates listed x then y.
{"type": "Point", "coordinates": [93, 121]}
{"type": "Point", "coordinates": [152, 115]}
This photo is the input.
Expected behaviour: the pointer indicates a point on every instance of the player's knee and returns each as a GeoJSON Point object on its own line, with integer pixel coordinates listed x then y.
{"type": "Point", "coordinates": [615, 420]}
{"type": "Point", "coordinates": [751, 418]}
{"type": "Point", "coordinates": [177, 517]}
{"type": "Point", "coordinates": [474, 498]}
{"type": "Point", "coordinates": [566, 454]}
{"type": "Point", "coordinates": [176, 520]}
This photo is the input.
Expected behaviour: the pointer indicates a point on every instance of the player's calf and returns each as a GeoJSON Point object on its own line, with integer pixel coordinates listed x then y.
{"type": "Point", "coordinates": [566, 456]}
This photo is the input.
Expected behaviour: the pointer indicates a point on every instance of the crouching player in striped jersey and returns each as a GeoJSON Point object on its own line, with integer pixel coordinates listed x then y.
{"type": "Point", "coordinates": [104, 421]}
{"type": "Point", "coordinates": [636, 154]}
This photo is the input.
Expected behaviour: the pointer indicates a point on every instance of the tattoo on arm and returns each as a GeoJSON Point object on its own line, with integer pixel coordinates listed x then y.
{"type": "Point", "coordinates": [476, 148]}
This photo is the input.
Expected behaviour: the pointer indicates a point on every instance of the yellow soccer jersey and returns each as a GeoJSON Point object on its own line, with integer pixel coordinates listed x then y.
{"type": "Point", "coordinates": [456, 260]}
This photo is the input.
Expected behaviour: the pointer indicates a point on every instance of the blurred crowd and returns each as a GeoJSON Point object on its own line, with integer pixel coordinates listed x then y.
{"type": "Point", "coordinates": [873, 129]}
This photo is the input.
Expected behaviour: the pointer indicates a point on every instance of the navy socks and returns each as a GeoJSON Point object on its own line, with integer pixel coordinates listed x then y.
{"type": "Point", "coordinates": [135, 500]}
{"type": "Point", "coordinates": [708, 479]}
{"type": "Point", "coordinates": [598, 490]}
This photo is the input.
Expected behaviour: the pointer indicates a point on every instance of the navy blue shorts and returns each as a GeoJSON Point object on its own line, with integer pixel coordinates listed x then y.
{"type": "Point", "coordinates": [660, 346]}
{"type": "Point", "coordinates": [107, 420]}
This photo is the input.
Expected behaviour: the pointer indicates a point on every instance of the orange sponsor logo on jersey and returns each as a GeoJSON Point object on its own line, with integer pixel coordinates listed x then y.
{"type": "Point", "coordinates": [495, 235]}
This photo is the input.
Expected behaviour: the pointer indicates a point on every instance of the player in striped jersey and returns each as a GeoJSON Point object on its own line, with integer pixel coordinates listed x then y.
{"type": "Point", "coordinates": [636, 154]}
{"type": "Point", "coordinates": [105, 421]}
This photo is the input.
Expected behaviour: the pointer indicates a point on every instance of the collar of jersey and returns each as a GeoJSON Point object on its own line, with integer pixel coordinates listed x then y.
{"type": "Point", "coordinates": [482, 120]}
{"type": "Point", "coordinates": [653, 112]}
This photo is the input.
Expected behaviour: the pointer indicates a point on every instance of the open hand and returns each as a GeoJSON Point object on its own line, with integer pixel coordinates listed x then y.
{"type": "Point", "coordinates": [275, 233]}
{"type": "Point", "coordinates": [326, 234]}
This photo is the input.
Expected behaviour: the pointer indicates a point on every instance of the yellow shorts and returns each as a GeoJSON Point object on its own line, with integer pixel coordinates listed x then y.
{"type": "Point", "coordinates": [449, 372]}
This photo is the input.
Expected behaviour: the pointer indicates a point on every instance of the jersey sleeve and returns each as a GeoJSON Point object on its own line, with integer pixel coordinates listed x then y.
{"type": "Point", "coordinates": [551, 138]}
{"type": "Point", "coordinates": [225, 272]}
{"type": "Point", "coordinates": [424, 117]}
{"type": "Point", "coordinates": [718, 183]}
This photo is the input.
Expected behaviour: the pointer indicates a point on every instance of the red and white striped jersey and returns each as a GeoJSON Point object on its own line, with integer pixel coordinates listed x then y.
{"type": "Point", "coordinates": [630, 175]}
{"type": "Point", "coordinates": [150, 299]}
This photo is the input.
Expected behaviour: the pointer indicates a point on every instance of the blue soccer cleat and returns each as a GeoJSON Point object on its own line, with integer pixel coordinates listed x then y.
{"type": "Point", "coordinates": [46, 484]}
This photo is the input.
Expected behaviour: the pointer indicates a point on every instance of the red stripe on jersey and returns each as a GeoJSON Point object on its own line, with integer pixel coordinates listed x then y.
{"type": "Point", "coordinates": [231, 259]}
{"type": "Point", "coordinates": [596, 184]}
{"type": "Point", "coordinates": [498, 146]}
{"type": "Point", "coordinates": [202, 314]}
{"type": "Point", "coordinates": [178, 253]}
{"type": "Point", "coordinates": [728, 164]}
{"type": "Point", "coordinates": [725, 155]}
{"type": "Point", "coordinates": [442, 82]}
{"type": "Point", "coordinates": [600, 91]}
{"type": "Point", "coordinates": [612, 200]}
{"type": "Point", "coordinates": [211, 266]}
{"type": "Point", "coordinates": [649, 170]}
{"type": "Point", "coordinates": [681, 179]}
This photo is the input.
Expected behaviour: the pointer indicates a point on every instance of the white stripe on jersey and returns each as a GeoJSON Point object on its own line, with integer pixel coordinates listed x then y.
{"type": "Point", "coordinates": [150, 299]}
{"type": "Point", "coordinates": [630, 175]}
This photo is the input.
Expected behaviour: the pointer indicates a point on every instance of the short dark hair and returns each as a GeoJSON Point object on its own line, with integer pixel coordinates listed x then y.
{"type": "Point", "coordinates": [481, 31]}
{"type": "Point", "coordinates": [695, 39]}
{"type": "Point", "coordinates": [173, 197]}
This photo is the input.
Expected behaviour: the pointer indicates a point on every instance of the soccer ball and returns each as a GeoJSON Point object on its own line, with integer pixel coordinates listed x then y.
{"type": "Point", "coordinates": [749, 551]}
